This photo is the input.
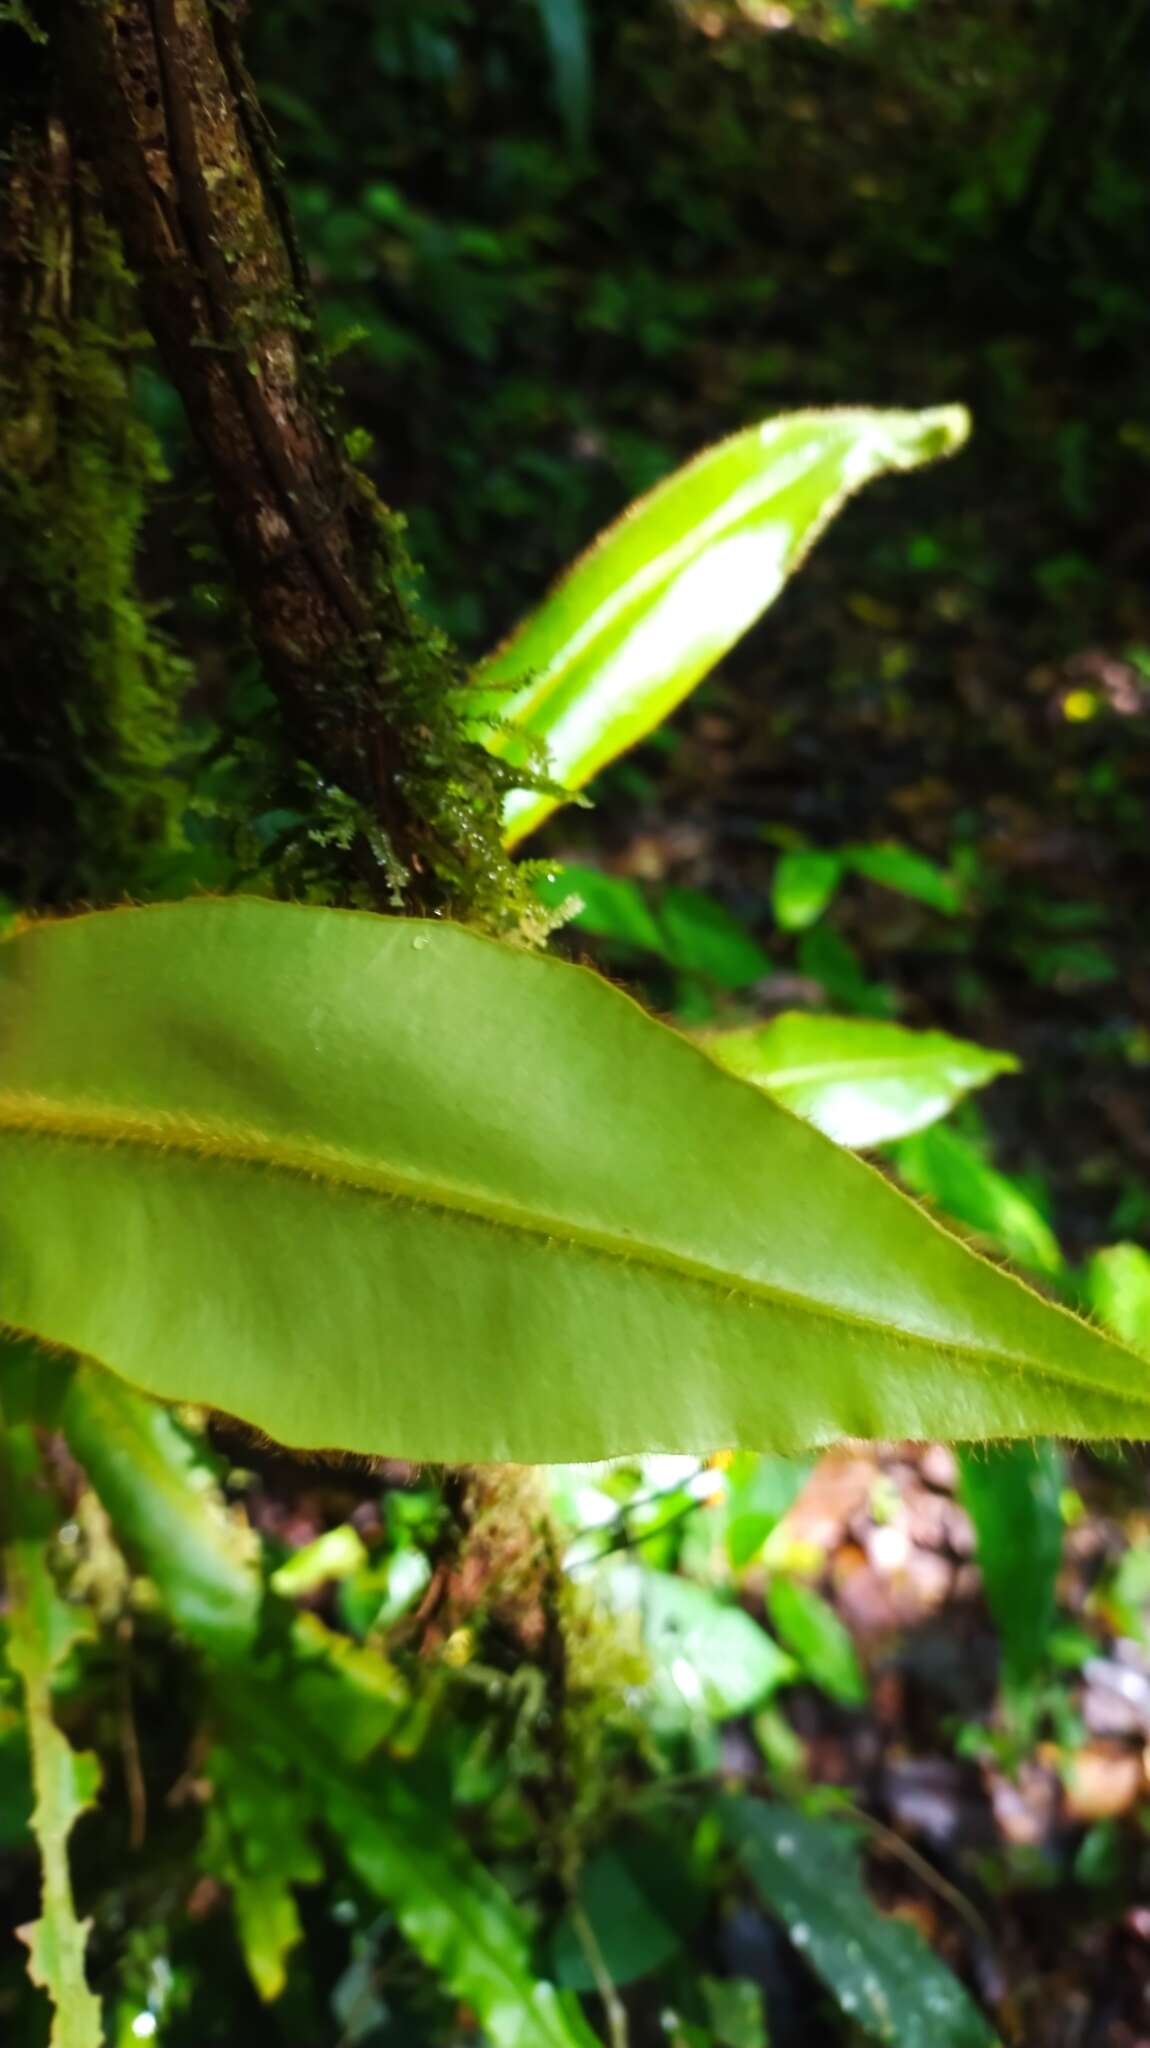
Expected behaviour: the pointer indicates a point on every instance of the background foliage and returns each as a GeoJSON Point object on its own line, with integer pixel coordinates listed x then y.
{"type": "Point", "coordinates": [376, 1770]}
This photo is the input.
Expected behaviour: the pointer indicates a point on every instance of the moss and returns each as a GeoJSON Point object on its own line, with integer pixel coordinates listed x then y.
{"type": "Point", "coordinates": [450, 788]}
{"type": "Point", "coordinates": [88, 704]}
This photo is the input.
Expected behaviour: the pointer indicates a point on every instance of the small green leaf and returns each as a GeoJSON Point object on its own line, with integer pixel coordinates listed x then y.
{"type": "Point", "coordinates": [804, 884]}
{"type": "Point", "coordinates": [880, 1972]}
{"type": "Point", "coordinates": [825, 956]}
{"type": "Point", "coordinates": [735, 2010]}
{"type": "Point", "coordinates": [909, 873]}
{"type": "Point", "coordinates": [1013, 1495]}
{"type": "Point", "coordinates": [947, 1168]}
{"type": "Point", "coordinates": [700, 937]}
{"type": "Point", "coordinates": [811, 1630]}
{"type": "Point", "coordinates": [760, 1491]}
{"type": "Point", "coordinates": [667, 589]}
{"type": "Point", "coordinates": [863, 1082]}
{"type": "Point", "coordinates": [1118, 1290]}
{"type": "Point", "coordinates": [333, 1556]}
{"type": "Point", "coordinates": [708, 1654]}
{"type": "Point", "coordinates": [684, 926]}
{"type": "Point", "coordinates": [609, 905]}
{"type": "Point", "coordinates": [243, 1183]}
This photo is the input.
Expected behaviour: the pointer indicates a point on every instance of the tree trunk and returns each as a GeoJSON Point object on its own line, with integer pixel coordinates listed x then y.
{"type": "Point", "coordinates": [156, 98]}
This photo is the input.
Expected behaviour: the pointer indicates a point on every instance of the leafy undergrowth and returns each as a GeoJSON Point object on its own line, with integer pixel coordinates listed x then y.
{"type": "Point", "coordinates": [783, 1749]}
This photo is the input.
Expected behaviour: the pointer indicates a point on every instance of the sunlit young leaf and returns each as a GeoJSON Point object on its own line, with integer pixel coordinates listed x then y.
{"type": "Point", "coordinates": [861, 1082]}
{"type": "Point", "coordinates": [665, 591]}
{"type": "Point", "coordinates": [383, 1184]}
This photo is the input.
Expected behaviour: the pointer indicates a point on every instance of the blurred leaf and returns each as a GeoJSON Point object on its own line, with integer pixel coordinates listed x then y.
{"type": "Point", "coordinates": [42, 1632]}
{"type": "Point", "coordinates": [632, 1937]}
{"type": "Point", "coordinates": [374, 1599]}
{"type": "Point", "coordinates": [805, 882]}
{"type": "Point", "coordinates": [565, 27]}
{"type": "Point", "coordinates": [243, 1182]}
{"type": "Point", "coordinates": [1013, 1495]}
{"type": "Point", "coordinates": [880, 1972]}
{"type": "Point", "coordinates": [811, 1630]}
{"type": "Point", "coordinates": [611, 906]}
{"type": "Point", "coordinates": [408, 1851]}
{"type": "Point", "coordinates": [166, 1510]}
{"type": "Point", "coordinates": [717, 1660]}
{"type": "Point", "coordinates": [1118, 1290]}
{"type": "Point", "coordinates": [684, 926]}
{"type": "Point", "coordinates": [1098, 1859]}
{"type": "Point", "coordinates": [664, 592]}
{"type": "Point", "coordinates": [700, 937]}
{"type": "Point", "coordinates": [735, 2011]}
{"type": "Point", "coordinates": [760, 1491]}
{"type": "Point", "coordinates": [824, 956]}
{"type": "Point", "coordinates": [947, 1168]}
{"type": "Point", "coordinates": [909, 873]}
{"type": "Point", "coordinates": [334, 1555]}
{"type": "Point", "coordinates": [258, 1842]}
{"type": "Point", "coordinates": [324, 1715]}
{"type": "Point", "coordinates": [862, 1082]}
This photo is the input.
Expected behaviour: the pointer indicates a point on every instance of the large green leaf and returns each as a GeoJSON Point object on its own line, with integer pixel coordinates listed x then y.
{"type": "Point", "coordinates": [388, 1185]}
{"type": "Point", "coordinates": [666, 590]}
{"type": "Point", "coordinates": [861, 1081]}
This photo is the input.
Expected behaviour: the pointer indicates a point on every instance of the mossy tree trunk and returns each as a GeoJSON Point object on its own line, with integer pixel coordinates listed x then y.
{"type": "Point", "coordinates": [149, 113]}
{"type": "Point", "coordinates": [87, 683]}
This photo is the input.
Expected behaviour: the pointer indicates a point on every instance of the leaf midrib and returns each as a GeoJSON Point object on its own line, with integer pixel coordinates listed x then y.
{"type": "Point", "coordinates": [231, 1145]}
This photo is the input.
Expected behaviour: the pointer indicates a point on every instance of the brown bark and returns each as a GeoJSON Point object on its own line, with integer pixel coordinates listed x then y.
{"type": "Point", "coordinates": [157, 91]}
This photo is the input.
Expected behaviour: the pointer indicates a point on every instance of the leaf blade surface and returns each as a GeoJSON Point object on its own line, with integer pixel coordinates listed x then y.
{"type": "Point", "coordinates": [386, 1185]}
{"type": "Point", "coordinates": [862, 1081]}
{"type": "Point", "coordinates": [663, 593]}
